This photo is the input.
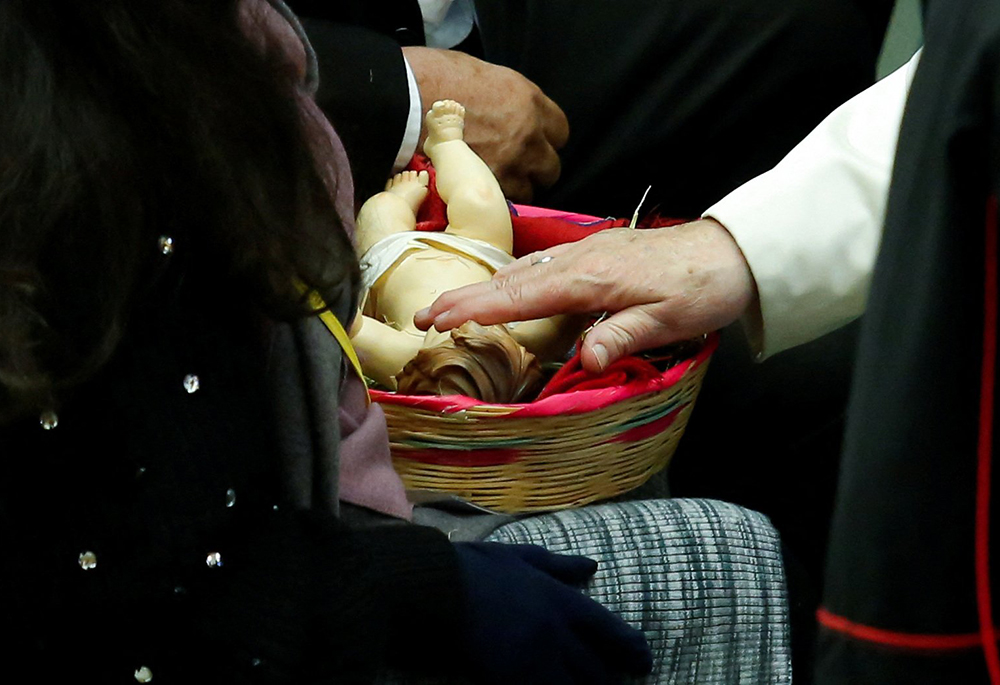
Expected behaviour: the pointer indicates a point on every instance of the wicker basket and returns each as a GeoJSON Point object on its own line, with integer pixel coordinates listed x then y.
{"type": "Point", "coordinates": [564, 451]}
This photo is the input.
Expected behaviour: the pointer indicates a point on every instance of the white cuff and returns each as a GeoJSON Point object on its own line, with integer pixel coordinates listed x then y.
{"type": "Point", "coordinates": [810, 228]}
{"type": "Point", "coordinates": [411, 135]}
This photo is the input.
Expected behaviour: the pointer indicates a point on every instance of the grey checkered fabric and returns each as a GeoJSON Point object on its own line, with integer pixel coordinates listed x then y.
{"type": "Point", "coordinates": [703, 580]}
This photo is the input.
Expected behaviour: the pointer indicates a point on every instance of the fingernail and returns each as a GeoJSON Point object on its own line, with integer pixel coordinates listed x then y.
{"type": "Point", "coordinates": [601, 355]}
{"type": "Point", "coordinates": [422, 314]}
{"type": "Point", "coordinates": [440, 318]}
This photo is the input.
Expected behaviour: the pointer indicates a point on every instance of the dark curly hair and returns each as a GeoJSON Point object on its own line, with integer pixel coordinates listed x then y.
{"type": "Point", "coordinates": [124, 120]}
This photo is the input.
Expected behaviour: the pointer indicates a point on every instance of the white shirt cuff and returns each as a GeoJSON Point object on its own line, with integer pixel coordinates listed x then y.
{"type": "Point", "coordinates": [412, 133]}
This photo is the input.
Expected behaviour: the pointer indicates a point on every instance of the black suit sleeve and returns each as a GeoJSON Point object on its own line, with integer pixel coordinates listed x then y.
{"type": "Point", "coordinates": [400, 20]}
{"type": "Point", "coordinates": [363, 90]}
{"type": "Point", "coordinates": [363, 87]}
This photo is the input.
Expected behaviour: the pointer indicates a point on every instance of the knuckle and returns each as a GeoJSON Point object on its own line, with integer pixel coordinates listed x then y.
{"type": "Point", "coordinates": [501, 277]}
{"type": "Point", "coordinates": [519, 189]}
{"type": "Point", "coordinates": [504, 284]}
{"type": "Point", "coordinates": [513, 293]}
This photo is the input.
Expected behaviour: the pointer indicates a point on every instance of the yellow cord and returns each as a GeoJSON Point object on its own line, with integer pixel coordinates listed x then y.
{"type": "Point", "coordinates": [337, 329]}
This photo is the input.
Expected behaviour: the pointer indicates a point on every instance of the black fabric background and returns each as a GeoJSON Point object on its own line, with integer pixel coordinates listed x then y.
{"type": "Point", "coordinates": [902, 544]}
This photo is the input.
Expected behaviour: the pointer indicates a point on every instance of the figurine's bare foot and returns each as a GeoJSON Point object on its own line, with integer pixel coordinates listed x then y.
{"type": "Point", "coordinates": [411, 186]}
{"type": "Point", "coordinates": [445, 122]}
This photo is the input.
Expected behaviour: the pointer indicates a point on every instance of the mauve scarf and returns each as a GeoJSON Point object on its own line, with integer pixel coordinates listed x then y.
{"type": "Point", "coordinates": [366, 475]}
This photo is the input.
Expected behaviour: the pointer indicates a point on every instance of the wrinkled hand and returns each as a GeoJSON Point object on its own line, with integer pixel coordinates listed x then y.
{"type": "Point", "coordinates": [659, 285]}
{"type": "Point", "coordinates": [526, 624]}
{"type": "Point", "coordinates": [509, 121]}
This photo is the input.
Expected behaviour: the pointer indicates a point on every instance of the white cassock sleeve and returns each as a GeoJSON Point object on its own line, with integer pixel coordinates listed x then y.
{"type": "Point", "coordinates": [810, 227]}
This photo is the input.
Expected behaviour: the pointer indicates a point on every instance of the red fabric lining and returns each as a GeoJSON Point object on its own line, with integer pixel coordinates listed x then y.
{"type": "Point", "coordinates": [572, 377]}
{"type": "Point", "coordinates": [892, 638]}
{"type": "Point", "coordinates": [579, 402]}
{"type": "Point", "coordinates": [984, 599]}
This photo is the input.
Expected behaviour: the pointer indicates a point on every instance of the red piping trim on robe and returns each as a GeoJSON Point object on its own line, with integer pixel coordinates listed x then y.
{"type": "Point", "coordinates": [893, 638]}
{"type": "Point", "coordinates": [986, 637]}
{"type": "Point", "coordinates": [987, 630]}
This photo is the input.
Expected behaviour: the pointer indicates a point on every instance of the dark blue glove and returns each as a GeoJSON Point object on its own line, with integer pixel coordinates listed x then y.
{"type": "Point", "coordinates": [526, 624]}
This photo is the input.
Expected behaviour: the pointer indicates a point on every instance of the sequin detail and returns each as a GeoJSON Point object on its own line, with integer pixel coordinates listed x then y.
{"type": "Point", "coordinates": [230, 498]}
{"type": "Point", "coordinates": [191, 383]}
{"type": "Point", "coordinates": [143, 675]}
{"type": "Point", "coordinates": [166, 244]}
{"type": "Point", "coordinates": [87, 560]}
{"type": "Point", "coordinates": [214, 560]}
{"type": "Point", "coordinates": [49, 420]}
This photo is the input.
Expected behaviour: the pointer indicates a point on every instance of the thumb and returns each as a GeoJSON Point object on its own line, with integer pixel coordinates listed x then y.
{"type": "Point", "coordinates": [631, 330]}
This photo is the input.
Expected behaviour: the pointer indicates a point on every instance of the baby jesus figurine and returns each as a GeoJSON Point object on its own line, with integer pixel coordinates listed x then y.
{"type": "Point", "coordinates": [404, 270]}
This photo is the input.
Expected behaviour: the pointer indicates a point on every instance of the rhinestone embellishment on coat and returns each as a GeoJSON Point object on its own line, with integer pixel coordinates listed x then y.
{"type": "Point", "coordinates": [166, 244]}
{"type": "Point", "coordinates": [49, 420]}
{"type": "Point", "coordinates": [214, 560]}
{"type": "Point", "coordinates": [230, 498]}
{"type": "Point", "coordinates": [87, 560]}
{"type": "Point", "coordinates": [191, 383]}
{"type": "Point", "coordinates": [143, 675]}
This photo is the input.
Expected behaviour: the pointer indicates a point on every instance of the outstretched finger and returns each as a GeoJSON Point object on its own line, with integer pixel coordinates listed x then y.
{"type": "Point", "coordinates": [496, 300]}
{"type": "Point", "coordinates": [517, 298]}
{"type": "Point", "coordinates": [424, 318]}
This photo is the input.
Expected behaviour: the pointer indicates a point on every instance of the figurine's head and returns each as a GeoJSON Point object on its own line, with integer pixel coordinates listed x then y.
{"type": "Point", "coordinates": [483, 362]}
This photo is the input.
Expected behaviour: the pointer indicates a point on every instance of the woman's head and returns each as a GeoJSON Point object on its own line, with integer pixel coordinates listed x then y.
{"type": "Point", "coordinates": [122, 121]}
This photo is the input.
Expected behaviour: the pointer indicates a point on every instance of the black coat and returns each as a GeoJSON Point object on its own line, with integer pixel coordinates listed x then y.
{"type": "Point", "coordinates": [159, 523]}
{"type": "Point", "coordinates": [909, 580]}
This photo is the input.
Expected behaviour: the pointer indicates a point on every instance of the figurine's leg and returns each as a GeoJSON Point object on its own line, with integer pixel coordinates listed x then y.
{"type": "Point", "coordinates": [383, 350]}
{"type": "Point", "coordinates": [476, 205]}
{"type": "Point", "coordinates": [391, 211]}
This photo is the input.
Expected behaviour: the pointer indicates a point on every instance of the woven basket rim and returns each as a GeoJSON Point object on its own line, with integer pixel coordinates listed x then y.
{"type": "Point", "coordinates": [579, 402]}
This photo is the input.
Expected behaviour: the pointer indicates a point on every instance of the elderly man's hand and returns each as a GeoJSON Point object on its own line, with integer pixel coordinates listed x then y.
{"type": "Point", "coordinates": [509, 121]}
{"type": "Point", "coordinates": [659, 285]}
